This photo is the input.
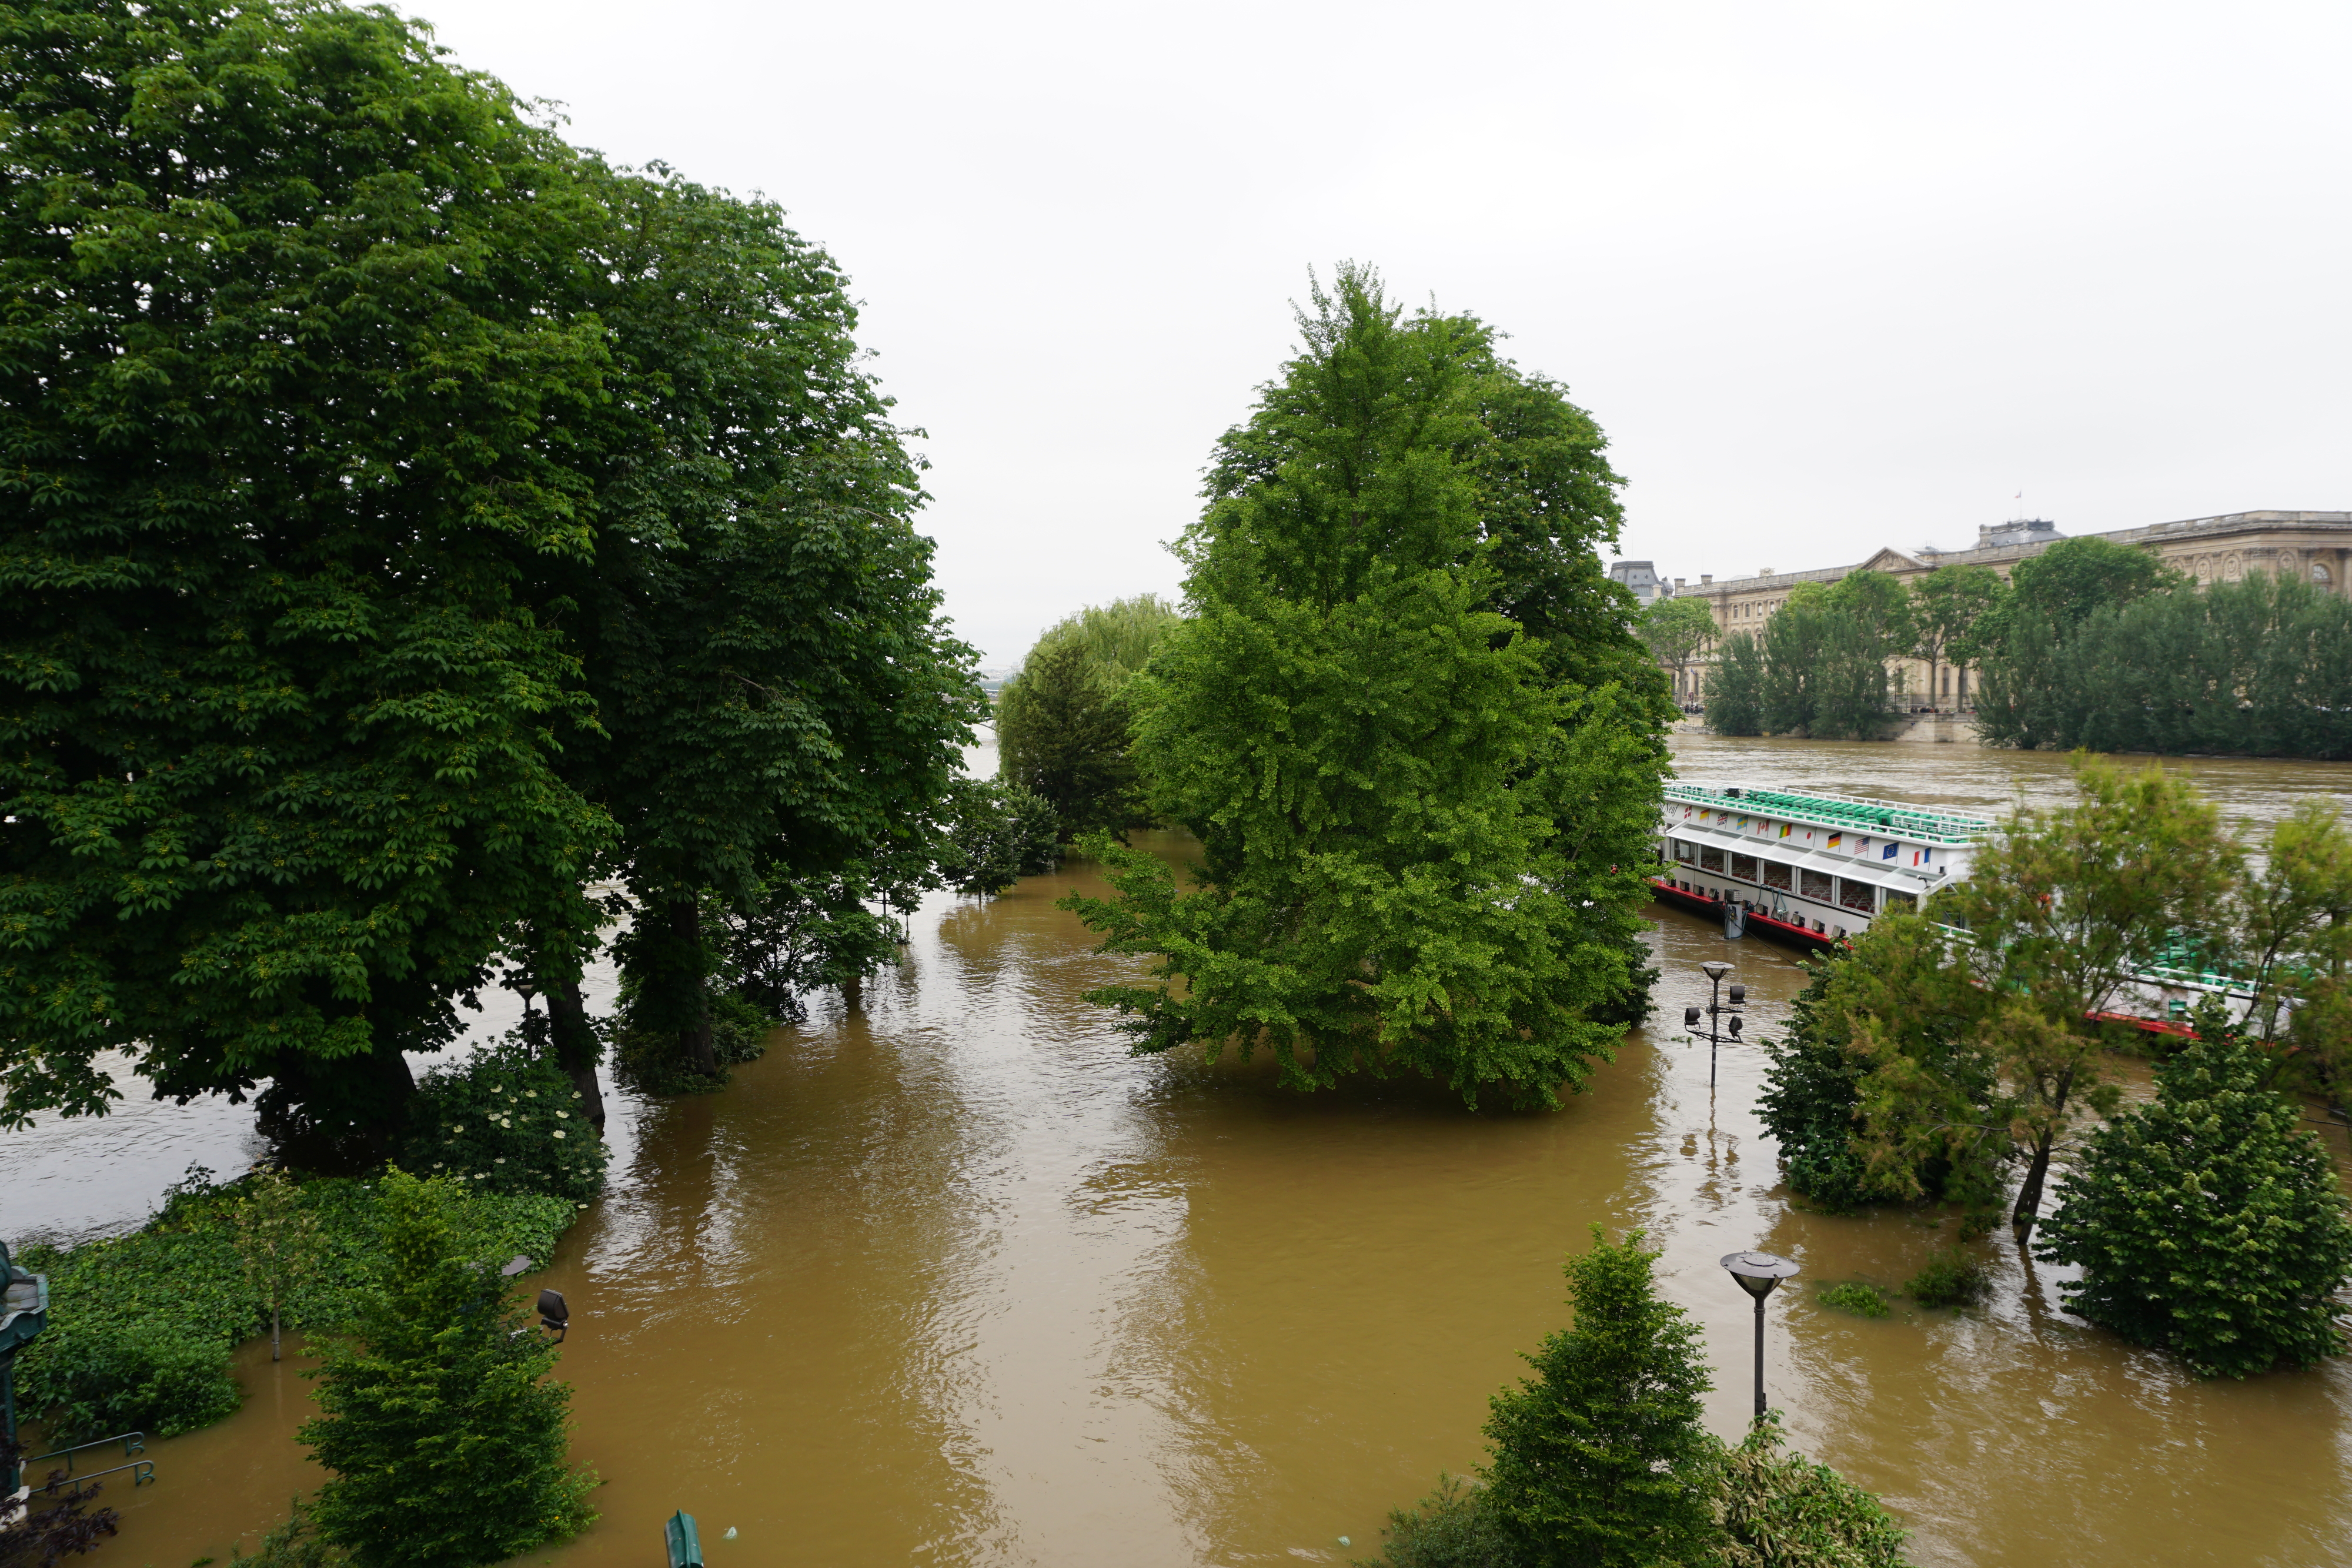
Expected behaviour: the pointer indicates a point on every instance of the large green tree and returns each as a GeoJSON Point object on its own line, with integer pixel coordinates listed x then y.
{"type": "Point", "coordinates": [291, 378]}
{"type": "Point", "coordinates": [1422, 839]}
{"type": "Point", "coordinates": [778, 695]}
{"type": "Point", "coordinates": [2025, 638]}
{"type": "Point", "coordinates": [2208, 1222]}
{"type": "Point", "coordinates": [1676, 630]}
{"type": "Point", "coordinates": [1946, 606]}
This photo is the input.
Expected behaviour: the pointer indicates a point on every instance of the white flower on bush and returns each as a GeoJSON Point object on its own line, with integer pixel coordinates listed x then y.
{"type": "Point", "coordinates": [559, 1133]}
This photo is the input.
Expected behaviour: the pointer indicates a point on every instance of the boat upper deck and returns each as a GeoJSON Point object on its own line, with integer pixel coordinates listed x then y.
{"type": "Point", "coordinates": [1888, 818]}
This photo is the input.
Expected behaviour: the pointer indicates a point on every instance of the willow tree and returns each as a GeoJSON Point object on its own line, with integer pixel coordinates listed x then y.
{"type": "Point", "coordinates": [1422, 836]}
{"type": "Point", "coordinates": [291, 373]}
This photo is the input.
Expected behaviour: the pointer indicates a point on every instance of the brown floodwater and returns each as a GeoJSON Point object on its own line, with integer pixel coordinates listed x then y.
{"type": "Point", "coordinates": [953, 1280]}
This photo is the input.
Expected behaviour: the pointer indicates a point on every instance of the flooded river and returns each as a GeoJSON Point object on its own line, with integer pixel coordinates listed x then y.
{"type": "Point", "coordinates": [952, 1279]}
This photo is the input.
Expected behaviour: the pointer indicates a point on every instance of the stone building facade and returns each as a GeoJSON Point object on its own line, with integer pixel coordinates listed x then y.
{"type": "Point", "coordinates": [2316, 546]}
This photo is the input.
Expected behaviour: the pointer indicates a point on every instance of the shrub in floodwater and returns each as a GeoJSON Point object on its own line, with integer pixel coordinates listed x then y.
{"type": "Point", "coordinates": [1854, 1296]}
{"type": "Point", "coordinates": [1952, 1279]}
{"type": "Point", "coordinates": [2207, 1223]}
{"type": "Point", "coordinates": [1599, 1457]}
{"type": "Point", "coordinates": [1450, 1528]}
{"type": "Point", "coordinates": [505, 1122]}
{"type": "Point", "coordinates": [442, 1435]}
{"type": "Point", "coordinates": [1785, 1512]}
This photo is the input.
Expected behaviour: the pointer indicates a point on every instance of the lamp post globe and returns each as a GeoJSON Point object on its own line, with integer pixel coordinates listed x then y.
{"type": "Point", "coordinates": [1758, 1274]}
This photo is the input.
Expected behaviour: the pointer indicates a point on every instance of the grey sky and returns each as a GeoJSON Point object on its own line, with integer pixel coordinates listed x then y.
{"type": "Point", "coordinates": [1832, 275]}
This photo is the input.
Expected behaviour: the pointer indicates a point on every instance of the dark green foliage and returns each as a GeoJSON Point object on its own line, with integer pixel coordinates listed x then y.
{"type": "Point", "coordinates": [646, 1053]}
{"type": "Point", "coordinates": [2208, 1222]}
{"type": "Point", "coordinates": [141, 1327]}
{"type": "Point", "coordinates": [1952, 1279]}
{"type": "Point", "coordinates": [805, 934]}
{"type": "Point", "coordinates": [2026, 696]}
{"type": "Point", "coordinates": [443, 1437]}
{"type": "Point", "coordinates": [2262, 667]}
{"type": "Point", "coordinates": [1063, 724]}
{"type": "Point", "coordinates": [1785, 1512]}
{"type": "Point", "coordinates": [1001, 832]}
{"type": "Point", "coordinates": [1676, 630]}
{"type": "Point", "coordinates": [293, 1542]}
{"type": "Point", "coordinates": [507, 1121]}
{"type": "Point", "coordinates": [1599, 1460]}
{"type": "Point", "coordinates": [286, 373]}
{"type": "Point", "coordinates": [1811, 1100]}
{"type": "Point", "coordinates": [762, 634]}
{"type": "Point", "coordinates": [1450, 1528]}
{"type": "Point", "coordinates": [1423, 838]}
{"type": "Point", "coordinates": [1735, 686]}
{"type": "Point", "coordinates": [1864, 1300]}
{"type": "Point", "coordinates": [1949, 606]}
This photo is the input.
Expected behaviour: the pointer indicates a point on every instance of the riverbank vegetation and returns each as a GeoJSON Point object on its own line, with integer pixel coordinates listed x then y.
{"type": "Point", "coordinates": [1819, 667]}
{"type": "Point", "coordinates": [1944, 1055]}
{"type": "Point", "coordinates": [1409, 722]}
{"type": "Point", "coordinates": [1600, 1458]}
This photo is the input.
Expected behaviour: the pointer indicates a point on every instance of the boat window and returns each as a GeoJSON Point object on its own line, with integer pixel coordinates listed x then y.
{"type": "Point", "coordinates": [1682, 852]}
{"type": "Point", "coordinates": [1814, 884]}
{"type": "Point", "coordinates": [1778, 875]}
{"type": "Point", "coordinates": [1709, 859]}
{"type": "Point", "coordinates": [1859, 895]}
{"type": "Point", "coordinates": [1743, 867]}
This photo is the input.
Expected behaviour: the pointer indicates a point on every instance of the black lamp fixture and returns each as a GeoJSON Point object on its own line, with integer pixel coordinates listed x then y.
{"type": "Point", "coordinates": [554, 1315]}
{"type": "Point", "coordinates": [1715, 1012]}
{"type": "Point", "coordinates": [1758, 1274]}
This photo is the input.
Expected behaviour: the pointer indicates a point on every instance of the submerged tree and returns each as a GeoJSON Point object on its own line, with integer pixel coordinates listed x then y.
{"type": "Point", "coordinates": [1422, 851]}
{"type": "Point", "coordinates": [2208, 1222]}
{"type": "Point", "coordinates": [1735, 686]}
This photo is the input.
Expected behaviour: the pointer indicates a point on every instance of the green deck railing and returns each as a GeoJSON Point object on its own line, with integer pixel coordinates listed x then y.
{"type": "Point", "coordinates": [1891, 818]}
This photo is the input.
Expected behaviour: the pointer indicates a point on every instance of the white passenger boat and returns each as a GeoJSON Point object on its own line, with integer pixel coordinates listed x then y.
{"type": "Point", "coordinates": [1811, 870]}
{"type": "Point", "coordinates": [1806, 869]}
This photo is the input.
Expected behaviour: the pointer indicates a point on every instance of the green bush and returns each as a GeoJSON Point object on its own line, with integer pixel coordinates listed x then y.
{"type": "Point", "coordinates": [1789, 1512]}
{"type": "Point", "coordinates": [510, 1123]}
{"type": "Point", "coordinates": [141, 1326]}
{"type": "Point", "coordinates": [1450, 1528]}
{"type": "Point", "coordinates": [1854, 1296]}
{"type": "Point", "coordinates": [1950, 1280]}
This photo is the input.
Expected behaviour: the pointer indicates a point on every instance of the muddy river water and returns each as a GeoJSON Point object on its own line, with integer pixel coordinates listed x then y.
{"type": "Point", "coordinates": [953, 1280]}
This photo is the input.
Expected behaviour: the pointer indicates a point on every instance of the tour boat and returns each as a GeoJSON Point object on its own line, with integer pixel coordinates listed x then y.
{"type": "Point", "coordinates": [1807, 870]}
{"type": "Point", "coordinates": [1811, 870]}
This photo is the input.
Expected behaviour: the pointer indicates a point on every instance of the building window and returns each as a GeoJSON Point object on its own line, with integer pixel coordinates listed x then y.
{"type": "Point", "coordinates": [1710, 858]}
{"type": "Point", "coordinates": [1777, 875]}
{"type": "Point", "coordinates": [2320, 574]}
{"type": "Point", "coordinates": [1743, 867]}
{"type": "Point", "coordinates": [1860, 896]}
{"type": "Point", "coordinates": [1814, 885]}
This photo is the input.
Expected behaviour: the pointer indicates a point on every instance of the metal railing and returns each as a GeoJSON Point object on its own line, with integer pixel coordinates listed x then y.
{"type": "Point", "coordinates": [133, 1443]}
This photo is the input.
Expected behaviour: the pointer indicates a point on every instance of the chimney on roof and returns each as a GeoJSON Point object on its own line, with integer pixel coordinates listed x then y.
{"type": "Point", "coordinates": [1678, 583]}
{"type": "Point", "coordinates": [1705, 578]}
{"type": "Point", "coordinates": [1764, 571]}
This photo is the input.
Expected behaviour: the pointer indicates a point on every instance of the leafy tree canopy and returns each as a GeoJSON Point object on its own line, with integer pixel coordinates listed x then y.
{"type": "Point", "coordinates": [289, 378]}
{"type": "Point", "coordinates": [1063, 724]}
{"type": "Point", "coordinates": [1420, 849]}
{"type": "Point", "coordinates": [2208, 1222]}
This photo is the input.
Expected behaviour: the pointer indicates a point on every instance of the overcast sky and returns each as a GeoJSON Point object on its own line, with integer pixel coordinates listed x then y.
{"type": "Point", "coordinates": [1831, 276]}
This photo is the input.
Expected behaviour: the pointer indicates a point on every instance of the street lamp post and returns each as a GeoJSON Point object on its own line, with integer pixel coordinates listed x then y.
{"type": "Point", "coordinates": [1716, 1011]}
{"type": "Point", "coordinates": [1759, 1273]}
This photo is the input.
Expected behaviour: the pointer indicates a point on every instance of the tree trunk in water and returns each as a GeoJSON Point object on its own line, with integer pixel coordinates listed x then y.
{"type": "Point", "coordinates": [2029, 1197]}
{"type": "Point", "coordinates": [576, 1047]}
{"type": "Point", "coordinates": [853, 993]}
{"type": "Point", "coordinates": [273, 1331]}
{"type": "Point", "coordinates": [695, 1040]}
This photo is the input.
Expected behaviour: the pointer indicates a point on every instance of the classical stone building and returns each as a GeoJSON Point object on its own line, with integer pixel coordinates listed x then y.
{"type": "Point", "coordinates": [2313, 545]}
